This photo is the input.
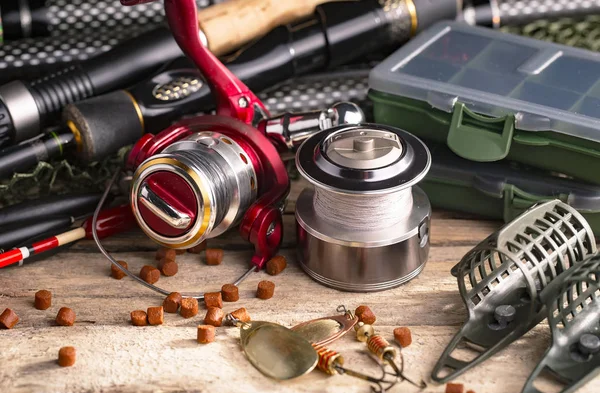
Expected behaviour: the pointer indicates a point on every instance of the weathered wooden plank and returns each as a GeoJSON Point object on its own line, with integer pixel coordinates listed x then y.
{"type": "Point", "coordinates": [129, 359]}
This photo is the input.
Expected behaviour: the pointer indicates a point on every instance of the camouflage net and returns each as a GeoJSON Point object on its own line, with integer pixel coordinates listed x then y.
{"type": "Point", "coordinates": [59, 177]}
{"type": "Point", "coordinates": [583, 33]}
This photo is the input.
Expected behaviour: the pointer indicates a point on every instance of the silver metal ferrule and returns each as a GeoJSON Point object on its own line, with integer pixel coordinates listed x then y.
{"type": "Point", "coordinates": [294, 128]}
{"type": "Point", "coordinates": [22, 108]}
{"type": "Point", "coordinates": [399, 17]}
{"type": "Point", "coordinates": [221, 176]}
{"type": "Point", "coordinates": [468, 16]}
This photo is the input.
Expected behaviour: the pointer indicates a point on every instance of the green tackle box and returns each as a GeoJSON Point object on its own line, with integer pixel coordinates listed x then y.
{"type": "Point", "coordinates": [502, 189]}
{"type": "Point", "coordinates": [490, 95]}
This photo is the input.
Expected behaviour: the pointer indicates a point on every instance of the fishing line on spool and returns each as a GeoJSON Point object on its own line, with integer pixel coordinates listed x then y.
{"type": "Point", "coordinates": [365, 211]}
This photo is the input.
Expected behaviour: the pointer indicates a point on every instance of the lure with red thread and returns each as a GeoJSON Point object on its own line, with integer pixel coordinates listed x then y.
{"type": "Point", "coordinates": [110, 221]}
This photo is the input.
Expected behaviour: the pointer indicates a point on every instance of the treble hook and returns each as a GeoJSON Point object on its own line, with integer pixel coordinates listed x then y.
{"type": "Point", "coordinates": [382, 349]}
{"type": "Point", "coordinates": [399, 371]}
{"type": "Point", "coordinates": [379, 382]}
{"type": "Point", "coordinates": [332, 362]}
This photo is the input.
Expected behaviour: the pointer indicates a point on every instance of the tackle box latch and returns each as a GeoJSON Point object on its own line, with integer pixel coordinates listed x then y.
{"type": "Point", "coordinates": [480, 138]}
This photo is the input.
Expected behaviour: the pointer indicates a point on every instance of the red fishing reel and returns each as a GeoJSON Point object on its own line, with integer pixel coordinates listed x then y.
{"type": "Point", "coordinates": [204, 175]}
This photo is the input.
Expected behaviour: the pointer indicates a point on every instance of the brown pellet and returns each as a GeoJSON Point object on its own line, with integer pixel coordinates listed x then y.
{"type": "Point", "coordinates": [213, 299]}
{"type": "Point", "coordinates": [150, 274]}
{"type": "Point", "coordinates": [197, 249]}
{"type": "Point", "coordinates": [166, 253]}
{"type": "Point", "coordinates": [455, 387]}
{"type": "Point", "coordinates": [214, 256]}
{"type": "Point", "coordinates": [206, 334]}
{"type": "Point", "coordinates": [180, 251]}
{"type": "Point", "coordinates": [470, 391]}
{"type": "Point", "coordinates": [265, 290]}
{"type": "Point", "coordinates": [276, 265]}
{"type": "Point", "coordinates": [115, 272]}
{"type": "Point", "coordinates": [365, 315]}
{"type": "Point", "coordinates": [139, 318]}
{"type": "Point", "coordinates": [161, 263]}
{"type": "Point", "coordinates": [155, 315]}
{"type": "Point", "coordinates": [403, 336]}
{"type": "Point", "coordinates": [241, 314]}
{"type": "Point", "coordinates": [169, 268]}
{"type": "Point", "coordinates": [189, 307]}
{"type": "Point", "coordinates": [230, 293]}
{"type": "Point", "coordinates": [214, 316]}
{"type": "Point", "coordinates": [65, 317]}
{"type": "Point", "coordinates": [66, 356]}
{"type": "Point", "coordinates": [8, 319]}
{"type": "Point", "coordinates": [43, 299]}
{"type": "Point", "coordinates": [172, 302]}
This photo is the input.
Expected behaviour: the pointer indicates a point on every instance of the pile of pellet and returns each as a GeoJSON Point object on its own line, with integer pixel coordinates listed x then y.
{"type": "Point", "coordinates": [188, 307]}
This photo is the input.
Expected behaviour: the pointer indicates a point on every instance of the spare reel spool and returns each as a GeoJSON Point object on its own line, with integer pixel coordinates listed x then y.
{"type": "Point", "coordinates": [196, 189]}
{"type": "Point", "coordinates": [365, 226]}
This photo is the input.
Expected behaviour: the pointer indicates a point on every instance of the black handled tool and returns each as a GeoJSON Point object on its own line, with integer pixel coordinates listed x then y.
{"type": "Point", "coordinates": [25, 107]}
{"type": "Point", "coordinates": [337, 33]}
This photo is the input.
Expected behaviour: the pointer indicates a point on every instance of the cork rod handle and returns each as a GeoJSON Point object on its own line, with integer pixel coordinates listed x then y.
{"type": "Point", "coordinates": [233, 23]}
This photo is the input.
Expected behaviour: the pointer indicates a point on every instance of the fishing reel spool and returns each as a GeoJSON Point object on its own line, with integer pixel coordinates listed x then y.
{"type": "Point", "coordinates": [573, 307]}
{"type": "Point", "coordinates": [365, 225]}
{"type": "Point", "coordinates": [500, 281]}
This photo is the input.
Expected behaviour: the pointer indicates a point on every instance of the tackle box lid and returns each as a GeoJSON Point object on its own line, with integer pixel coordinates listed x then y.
{"type": "Point", "coordinates": [491, 178]}
{"type": "Point", "coordinates": [546, 86]}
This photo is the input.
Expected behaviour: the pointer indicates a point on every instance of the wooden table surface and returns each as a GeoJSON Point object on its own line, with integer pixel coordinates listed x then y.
{"type": "Point", "coordinates": [113, 356]}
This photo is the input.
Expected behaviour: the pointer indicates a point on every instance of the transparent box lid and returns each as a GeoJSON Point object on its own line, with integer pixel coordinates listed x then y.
{"type": "Point", "coordinates": [549, 87]}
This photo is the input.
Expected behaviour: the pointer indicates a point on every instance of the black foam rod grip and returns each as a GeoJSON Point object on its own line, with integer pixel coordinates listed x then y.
{"type": "Point", "coordinates": [95, 120]}
{"type": "Point", "coordinates": [13, 235]}
{"type": "Point", "coordinates": [40, 209]}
